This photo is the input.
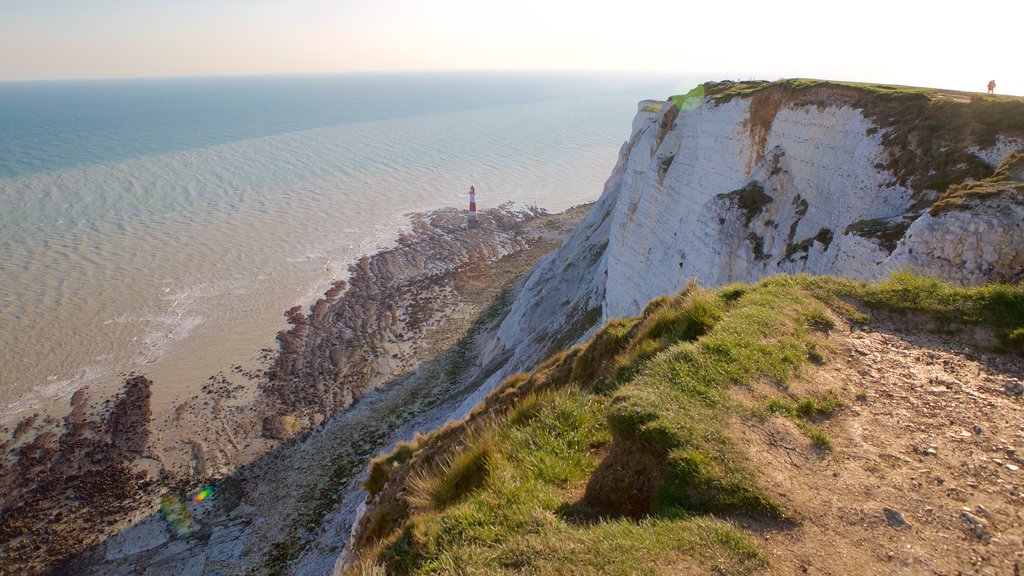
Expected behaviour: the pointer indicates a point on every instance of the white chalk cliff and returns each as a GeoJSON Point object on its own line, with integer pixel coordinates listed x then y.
{"type": "Point", "coordinates": [771, 181]}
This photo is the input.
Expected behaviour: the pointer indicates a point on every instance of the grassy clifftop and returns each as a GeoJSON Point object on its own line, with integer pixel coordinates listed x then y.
{"type": "Point", "coordinates": [699, 435]}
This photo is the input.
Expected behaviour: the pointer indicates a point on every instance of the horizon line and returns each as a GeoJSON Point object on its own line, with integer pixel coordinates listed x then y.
{"type": "Point", "coordinates": [382, 71]}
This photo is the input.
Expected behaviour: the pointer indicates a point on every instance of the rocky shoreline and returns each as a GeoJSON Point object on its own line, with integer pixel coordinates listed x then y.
{"type": "Point", "coordinates": [366, 330]}
{"type": "Point", "coordinates": [100, 490]}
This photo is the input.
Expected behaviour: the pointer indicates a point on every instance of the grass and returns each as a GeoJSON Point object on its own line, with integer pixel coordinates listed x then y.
{"type": "Point", "coordinates": [620, 455]}
{"type": "Point", "coordinates": [804, 413]}
{"type": "Point", "coordinates": [319, 499]}
{"type": "Point", "coordinates": [459, 474]}
{"type": "Point", "coordinates": [999, 306]}
{"type": "Point", "coordinates": [382, 466]}
{"type": "Point", "coordinates": [511, 521]}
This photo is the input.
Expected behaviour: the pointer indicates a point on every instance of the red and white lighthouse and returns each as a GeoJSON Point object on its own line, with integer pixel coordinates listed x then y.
{"type": "Point", "coordinates": [472, 208]}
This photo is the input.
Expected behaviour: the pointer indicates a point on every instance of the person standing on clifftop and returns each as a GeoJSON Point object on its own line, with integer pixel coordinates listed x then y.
{"type": "Point", "coordinates": [991, 86]}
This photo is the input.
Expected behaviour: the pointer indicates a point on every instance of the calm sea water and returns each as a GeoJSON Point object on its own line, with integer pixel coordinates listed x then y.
{"type": "Point", "coordinates": [164, 225]}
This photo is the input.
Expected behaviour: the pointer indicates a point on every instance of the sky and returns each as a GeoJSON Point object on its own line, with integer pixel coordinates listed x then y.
{"type": "Point", "coordinates": [926, 43]}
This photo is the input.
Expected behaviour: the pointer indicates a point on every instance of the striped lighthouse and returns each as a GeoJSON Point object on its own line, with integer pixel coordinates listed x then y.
{"type": "Point", "coordinates": [473, 223]}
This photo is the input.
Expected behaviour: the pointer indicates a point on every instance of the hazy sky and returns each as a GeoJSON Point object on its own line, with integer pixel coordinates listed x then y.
{"type": "Point", "coordinates": [950, 45]}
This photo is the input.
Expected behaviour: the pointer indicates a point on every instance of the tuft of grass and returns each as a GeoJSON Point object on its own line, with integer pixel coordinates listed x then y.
{"type": "Point", "coordinates": [806, 408]}
{"type": "Point", "coordinates": [382, 466]}
{"type": "Point", "coordinates": [819, 439]}
{"type": "Point", "coordinates": [684, 317]}
{"type": "Point", "coordinates": [364, 567]}
{"type": "Point", "coordinates": [818, 319]}
{"type": "Point", "coordinates": [526, 408]}
{"type": "Point", "coordinates": [815, 354]}
{"type": "Point", "coordinates": [458, 475]}
{"type": "Point", "coordinates": [733, 292]}
{"type": "Point", "coordinates": [804, 413]}
{"type": "Point", "coordinates": [596, 362]}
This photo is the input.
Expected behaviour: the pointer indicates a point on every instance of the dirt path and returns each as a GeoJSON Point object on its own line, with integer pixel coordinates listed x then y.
{"type": "Point", "coordinates": [927, 472]}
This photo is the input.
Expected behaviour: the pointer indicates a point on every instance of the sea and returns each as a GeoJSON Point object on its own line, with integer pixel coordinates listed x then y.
{"type": "Point", "coordinates": [163, 226]}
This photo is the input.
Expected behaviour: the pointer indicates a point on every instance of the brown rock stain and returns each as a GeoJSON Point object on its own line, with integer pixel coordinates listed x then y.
{"type": "Point", "coordinates": [764, 106]}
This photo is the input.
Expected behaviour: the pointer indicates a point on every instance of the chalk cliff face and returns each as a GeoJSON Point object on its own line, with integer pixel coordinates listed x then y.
{"type": "Point", "coordinates": [826, 179]}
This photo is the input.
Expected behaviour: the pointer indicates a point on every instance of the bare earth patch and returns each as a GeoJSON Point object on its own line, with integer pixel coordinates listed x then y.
{"type": "Point", "coordinates": [927, 471]}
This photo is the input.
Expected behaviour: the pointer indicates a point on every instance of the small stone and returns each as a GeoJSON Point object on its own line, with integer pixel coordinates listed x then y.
{"type": "Point", "coordinates": [1014, 387]}
{"type": "Point", "coordinates": [982, 511]}
{"type": "Point", "coordinates": [895, 518]}
{"type": "Point", "coordinates": [977, 429]}
{"type": "Point", "coordinates": [973, 524]}
{"type": "Point", "coordinates": [930, 452]}
{"type": "Point", "coordinates": [1012, 467]}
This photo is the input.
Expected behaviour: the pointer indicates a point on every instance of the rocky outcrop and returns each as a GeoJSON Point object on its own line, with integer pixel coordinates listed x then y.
{"type": "Point", "coordinates": [366, 330]}
{"type": "Point", "coordinates": [72, 480]}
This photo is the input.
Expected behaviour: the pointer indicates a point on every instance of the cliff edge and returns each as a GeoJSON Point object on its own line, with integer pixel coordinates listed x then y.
{"type": "Point", "coordinates": [736, 181]}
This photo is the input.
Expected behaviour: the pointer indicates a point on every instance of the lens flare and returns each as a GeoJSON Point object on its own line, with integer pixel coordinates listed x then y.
{"type": "Point", "coordinates": [690, 100]}
{"type": "Point", "coordinates": [176, 514]}
{"type": "Point", "coordinates": [203, 494]}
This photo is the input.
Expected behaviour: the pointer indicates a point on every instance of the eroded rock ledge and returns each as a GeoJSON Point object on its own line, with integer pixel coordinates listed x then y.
{"type": "Point", "coordinates": [366, 330]}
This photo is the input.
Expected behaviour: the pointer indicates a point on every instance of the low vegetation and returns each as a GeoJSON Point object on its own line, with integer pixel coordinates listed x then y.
{"type": "Point", "coordinates": [1007, 179]}
{"type": "Point", "coordinates": [999, 306]}
{"type": "Point", "coordinates": [620, 455]}
{"type": "Point", "coordinates": [887, 232]}
{"type": "Point", "coordinates": [751, 201]}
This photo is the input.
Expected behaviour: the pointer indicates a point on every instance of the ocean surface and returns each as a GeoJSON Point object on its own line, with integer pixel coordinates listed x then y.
{"type": "Point", "coordinates": [164, 225]}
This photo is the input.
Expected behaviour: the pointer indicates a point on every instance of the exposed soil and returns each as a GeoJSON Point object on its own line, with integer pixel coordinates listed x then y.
{"type": "Point", "coordinates": [631, 465]}
{"type": "Point", "coordinates": [927, 475]}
